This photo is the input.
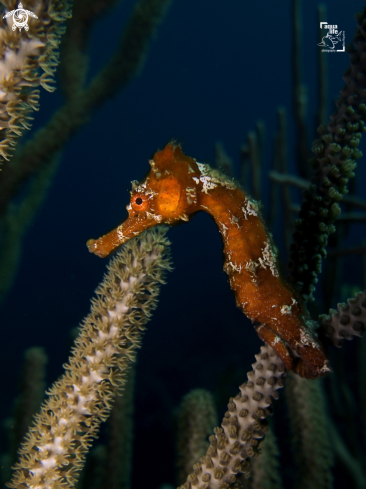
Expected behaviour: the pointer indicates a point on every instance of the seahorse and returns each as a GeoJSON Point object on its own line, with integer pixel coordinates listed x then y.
{"type": "Point", "coordinates": [176, 188]}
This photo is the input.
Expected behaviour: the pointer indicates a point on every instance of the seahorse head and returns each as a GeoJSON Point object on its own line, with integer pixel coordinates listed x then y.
{"type": "Point", "coordinates": [168, 195]}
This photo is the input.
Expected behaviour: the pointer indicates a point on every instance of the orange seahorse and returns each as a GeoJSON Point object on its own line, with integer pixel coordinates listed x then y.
{"type": "Point", "coordinates": [175, 189]}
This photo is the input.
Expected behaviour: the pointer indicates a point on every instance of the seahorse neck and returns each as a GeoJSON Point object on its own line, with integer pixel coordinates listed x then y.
{"type": "Point", "coordinates": [236, 215]}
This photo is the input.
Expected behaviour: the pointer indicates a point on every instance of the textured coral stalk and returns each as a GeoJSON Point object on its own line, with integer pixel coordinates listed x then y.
{"type": "Point", "coordinates": [243, 426]}
{"type": "Point", "coordinates": [28, 58]}
{"type": "Point", "coordinates": [310, 440]}
{"type": "Point", "coordinates": [265, 471]}
{"type": "Point", "coordinates": [56, 444]}
{"type": "Point", "coordinates": [336, 152]}
{"type": "Point", "coordinates": [125, 63]}
{"type": "Point", "coordinates": [348, 321]}
{"type": "Point", "coordinates": [196, 419]}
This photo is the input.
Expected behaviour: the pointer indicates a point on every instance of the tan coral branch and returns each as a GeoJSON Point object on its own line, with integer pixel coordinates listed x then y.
{"type": "Point", "coordinates": [55, 447]}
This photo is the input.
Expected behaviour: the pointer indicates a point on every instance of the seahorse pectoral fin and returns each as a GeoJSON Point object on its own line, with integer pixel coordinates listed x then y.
{"type": "Point", "coordinates": [130, 228]}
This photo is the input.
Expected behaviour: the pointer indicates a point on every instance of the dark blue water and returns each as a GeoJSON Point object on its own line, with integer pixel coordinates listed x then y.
{"type": "Point", "coordinates": [213, 70]}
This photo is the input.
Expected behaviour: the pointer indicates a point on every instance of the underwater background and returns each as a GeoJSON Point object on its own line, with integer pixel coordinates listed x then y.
{"type": "Point", "coordinates": [212, 71]}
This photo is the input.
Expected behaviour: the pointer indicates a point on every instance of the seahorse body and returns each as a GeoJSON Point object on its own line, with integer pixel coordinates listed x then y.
{"type": "Point", "coordinates": [175, 189]}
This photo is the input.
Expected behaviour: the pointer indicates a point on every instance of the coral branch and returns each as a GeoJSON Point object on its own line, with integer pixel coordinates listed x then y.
{"type": "Point", "coordinates": [124, 64]}
{"type": "Point", "coordinates": [348, 321]}
{"type": "Point", "coordinates": [243, 426]}
{"type": "Point", "coordinates": [335, 159]}
{"type": "Point", "coordinates": [55, 447]}
{"type": "Point", "coordinates": [24, 53]}
{"type": "Point", "coordinates": [196, 419]}
{"type": "Point", "coordinates": [310, 434]}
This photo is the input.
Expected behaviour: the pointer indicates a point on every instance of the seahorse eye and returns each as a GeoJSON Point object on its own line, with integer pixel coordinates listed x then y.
{"type": "Point", "coordinates": [140, 203]}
